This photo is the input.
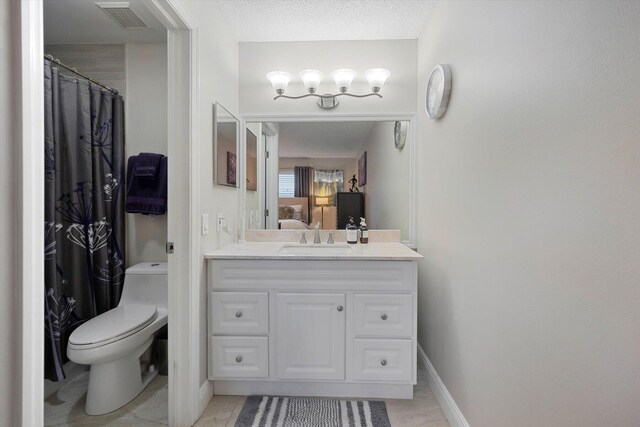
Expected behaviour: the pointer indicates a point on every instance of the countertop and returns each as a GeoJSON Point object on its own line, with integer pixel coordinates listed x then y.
{"type": "Point", "coordinates": [375, 251]}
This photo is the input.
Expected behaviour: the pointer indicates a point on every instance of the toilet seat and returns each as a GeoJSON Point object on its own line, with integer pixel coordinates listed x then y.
{"type": "Point", "coordinates": [113, 325]}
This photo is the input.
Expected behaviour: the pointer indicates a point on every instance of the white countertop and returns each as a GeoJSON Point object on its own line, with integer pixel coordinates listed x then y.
{"type": "Point", "coordinates": [380, 251]}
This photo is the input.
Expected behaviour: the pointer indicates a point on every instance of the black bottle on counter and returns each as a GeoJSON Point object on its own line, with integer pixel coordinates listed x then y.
{"type": "Point", "coordinates": [352, 232]}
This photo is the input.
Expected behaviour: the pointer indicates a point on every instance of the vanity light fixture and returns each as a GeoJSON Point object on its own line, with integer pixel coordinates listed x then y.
{"type": "Point", "coordinates": [342, 77]}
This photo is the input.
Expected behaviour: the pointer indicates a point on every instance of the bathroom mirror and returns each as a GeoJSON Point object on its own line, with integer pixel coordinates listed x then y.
{"type": "Point", "coordinates": [312, 167]}
{"type": "Point", "coordinates": [225, 146]}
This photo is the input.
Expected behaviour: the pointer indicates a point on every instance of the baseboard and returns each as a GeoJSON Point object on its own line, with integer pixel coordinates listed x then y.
{"type": "Point", "coordinates": [444, 398]}
{"type": "Point", "coordinates": [206, 393]}
{"type": "Point", "coordinates": [316, 389]}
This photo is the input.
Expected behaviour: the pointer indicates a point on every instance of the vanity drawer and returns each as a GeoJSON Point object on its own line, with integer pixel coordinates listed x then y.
{"type": "Point", "coordinates": [238, 357]}
{"type": "Point", "coordinates": [383, 315]}
{"type": "Point", "coordinates": [382, 360]}
{"type": "Point", "coordinates": [237, 313]}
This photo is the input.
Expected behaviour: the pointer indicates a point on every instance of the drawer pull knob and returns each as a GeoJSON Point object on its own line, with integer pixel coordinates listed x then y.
{"type": "Point", "coordinates": [384, 316]}
{"type": "Point", "coordinates": [340, 308]}
{"type": "Point", "coordinates": [383, 362]}
{"type": "Point", "coordinates": [238, 359]}
{"type": "Point", "coordinates": [238, 314]}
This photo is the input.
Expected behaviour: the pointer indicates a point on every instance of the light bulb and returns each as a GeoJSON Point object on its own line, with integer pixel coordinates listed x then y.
{"type": "Point", "coordinates": [311, 79]}
{"type": "Point", "coordinates": [279, 80]}
{"type": "Point", "coordinates": [376, 78]}
{"type": "Point", "coordinates": [343, 78]}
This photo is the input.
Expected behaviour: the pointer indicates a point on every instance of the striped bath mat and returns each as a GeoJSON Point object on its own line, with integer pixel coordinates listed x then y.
{"type": "Point", "coordinates": [269, 411]}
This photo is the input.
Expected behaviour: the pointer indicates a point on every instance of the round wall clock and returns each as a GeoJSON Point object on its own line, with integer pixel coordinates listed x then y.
{"type": "Point", "coordinates": [438, 91]}
{"type": "Point", "coordinates": [400, 134]}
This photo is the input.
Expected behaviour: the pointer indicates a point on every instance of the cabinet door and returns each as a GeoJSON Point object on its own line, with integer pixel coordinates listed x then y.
{"type": "Point", "coordinates": [310, 336]}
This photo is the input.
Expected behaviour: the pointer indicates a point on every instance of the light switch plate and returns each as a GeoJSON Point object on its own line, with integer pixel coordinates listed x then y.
{"type": "Point", "coordinates": [221, 222]}
{"type": "Point", "coordinates": [204, 224]}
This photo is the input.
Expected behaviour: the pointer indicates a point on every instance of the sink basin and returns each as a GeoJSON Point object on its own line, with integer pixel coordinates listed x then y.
{"type": "Point", "coordinates": [313, 249]}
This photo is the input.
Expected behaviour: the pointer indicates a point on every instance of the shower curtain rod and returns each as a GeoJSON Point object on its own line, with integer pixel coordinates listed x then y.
{"type": "Point", "coordinates": [84, 76]}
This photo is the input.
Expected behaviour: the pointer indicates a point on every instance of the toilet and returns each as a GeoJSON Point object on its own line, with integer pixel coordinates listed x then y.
{"type": "Point", "coordinates": [113, 342]}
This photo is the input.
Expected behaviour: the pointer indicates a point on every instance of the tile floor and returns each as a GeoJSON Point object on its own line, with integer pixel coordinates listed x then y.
{"type": "Point", "coordinates": [66, 408]}
{"type": "Point", "coordinates": [422, 411]}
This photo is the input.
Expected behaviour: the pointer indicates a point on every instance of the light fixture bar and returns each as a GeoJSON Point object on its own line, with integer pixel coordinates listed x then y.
{"type": "Point", "coordinates": [343, 78]}
{"type": "Point", "coordinates": [329, 96]}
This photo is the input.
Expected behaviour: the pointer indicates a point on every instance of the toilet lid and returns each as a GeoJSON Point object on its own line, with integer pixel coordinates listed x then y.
{"type": "Point", "coordinates": [114, 324]}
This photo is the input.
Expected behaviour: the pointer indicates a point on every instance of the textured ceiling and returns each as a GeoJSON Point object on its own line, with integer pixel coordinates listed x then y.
{"type": "Point", "coordinates": [82, 22]}
{"type": "Point", "coordinates": [311, 20]}
{"type": "Point", "coordinates": [322, 139]}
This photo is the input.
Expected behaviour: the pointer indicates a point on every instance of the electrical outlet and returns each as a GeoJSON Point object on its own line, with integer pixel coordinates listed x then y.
{"type": "Point", "coordinates": [204, 224]}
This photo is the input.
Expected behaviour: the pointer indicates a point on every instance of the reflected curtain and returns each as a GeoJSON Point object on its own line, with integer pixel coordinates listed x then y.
{"type": "Point", "coordinates": [303, 181]}
{"type": "Point", "coordinates": [328, 183]}
{"type": "Point", "coordinates": [84, 208]}
{"type": "Point", "coordinates": [303, 185]}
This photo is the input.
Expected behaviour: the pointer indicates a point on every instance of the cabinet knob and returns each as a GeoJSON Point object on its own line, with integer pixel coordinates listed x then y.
{"type": "Point", "coordinates": [238, 314]}
{"type": "Point", "coordinates": [384, 316]}
{"type": "Point", "coordinates": [383, 362]}
{"type": "Point", "coordinates": [340, 308]}
{"type": "Point", "coordinates": [239, 359]}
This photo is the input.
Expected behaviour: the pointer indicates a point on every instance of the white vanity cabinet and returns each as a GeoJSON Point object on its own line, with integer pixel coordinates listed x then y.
{"type": "Point", "coordinates": [312, 327]}
{"type": "Point", "coordinates": [310, 342]}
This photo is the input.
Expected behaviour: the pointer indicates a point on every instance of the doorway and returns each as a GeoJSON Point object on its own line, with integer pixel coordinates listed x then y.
{"type": "Point", "coordinates": [182, 62]}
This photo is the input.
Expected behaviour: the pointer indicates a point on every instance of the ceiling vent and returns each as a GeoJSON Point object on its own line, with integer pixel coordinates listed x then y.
{"type": "Point", "coordinates": [121, 12]}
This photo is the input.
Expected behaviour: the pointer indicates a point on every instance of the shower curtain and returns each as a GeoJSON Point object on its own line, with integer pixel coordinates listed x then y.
{"type": "Point", "coordinates": [84, 208]}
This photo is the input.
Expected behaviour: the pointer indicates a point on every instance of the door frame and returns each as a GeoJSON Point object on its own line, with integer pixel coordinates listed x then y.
{"type": "Point", "coordinates": [183, 126]}
{"type": "Point", "coordinates": [412, 145]}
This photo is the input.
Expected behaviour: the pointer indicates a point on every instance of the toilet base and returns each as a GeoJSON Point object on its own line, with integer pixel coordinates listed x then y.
{"type": "Point", "coordinates": [114, 384]}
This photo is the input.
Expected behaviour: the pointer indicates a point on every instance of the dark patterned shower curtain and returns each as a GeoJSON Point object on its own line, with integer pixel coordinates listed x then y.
{"type": "Point", "coordinates": [84, 208]}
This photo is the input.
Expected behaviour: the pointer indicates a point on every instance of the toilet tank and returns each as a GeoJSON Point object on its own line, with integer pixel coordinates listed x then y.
{"type": "Point", "coordinates": [146, 283]}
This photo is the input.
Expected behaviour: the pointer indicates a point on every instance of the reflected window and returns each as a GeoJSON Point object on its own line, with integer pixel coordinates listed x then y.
{"type": "Point", "coordinates": [286, 183]}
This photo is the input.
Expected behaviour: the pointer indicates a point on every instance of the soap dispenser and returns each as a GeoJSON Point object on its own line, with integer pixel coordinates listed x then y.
{"type": "Point", "coordinates": [352, 232]}
{"type": "Point", "coordinates": [364, 231]}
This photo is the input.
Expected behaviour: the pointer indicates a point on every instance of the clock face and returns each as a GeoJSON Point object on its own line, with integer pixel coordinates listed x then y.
{"type": "Point", "coordinates": [400, 134]}
{"type": "Point", "coordinates": [438, 91]}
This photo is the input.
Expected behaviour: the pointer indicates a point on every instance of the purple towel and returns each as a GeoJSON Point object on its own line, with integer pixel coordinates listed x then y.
{"type": "Point", "coordinates": [144, 195]}
{"type": "Point", "coordinates": [147, 165]}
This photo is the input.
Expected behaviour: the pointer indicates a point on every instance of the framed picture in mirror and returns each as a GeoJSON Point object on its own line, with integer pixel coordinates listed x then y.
{"type": "Point", "coordinates": [362, 169]}
{"type": "Point", "coordinates": [225, 146]}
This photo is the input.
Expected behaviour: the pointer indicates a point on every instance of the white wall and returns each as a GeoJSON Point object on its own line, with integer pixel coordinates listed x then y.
{"type": "Point", "coordinates": [257, 59]}
{"type": "Point", "coordinates": [528, 211]}
{"type": "Point", "coordinates": [387, 190]}
{"type": "Point", "coordinates": [146, 131]}
{"type": "Point", "coordinates": [9, 313]}
{"type": "Point", "coordinates": [218, 77]}
{"type": "Point", "coordinates": [103, 62]}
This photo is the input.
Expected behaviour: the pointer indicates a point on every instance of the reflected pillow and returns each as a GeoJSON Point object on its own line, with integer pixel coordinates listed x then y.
{"type": "Point", "coordinates": [285, 212]}
{"type": "Point", "coordinates": [297, 212]}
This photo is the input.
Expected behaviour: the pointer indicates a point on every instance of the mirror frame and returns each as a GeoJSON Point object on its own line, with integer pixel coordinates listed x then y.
{"type": "Point", "coordinates": [411, 145]}
{"type": "Point", "coordinates": [216, 112]}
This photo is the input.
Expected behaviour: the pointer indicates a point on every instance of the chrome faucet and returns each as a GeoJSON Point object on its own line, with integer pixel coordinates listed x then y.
{"type": "Point", "coordinates": [316, 236]}
{"type": "Point", "coordinates": [330, 239]}
{"type": "Point", "coordinates": [303, 239]}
